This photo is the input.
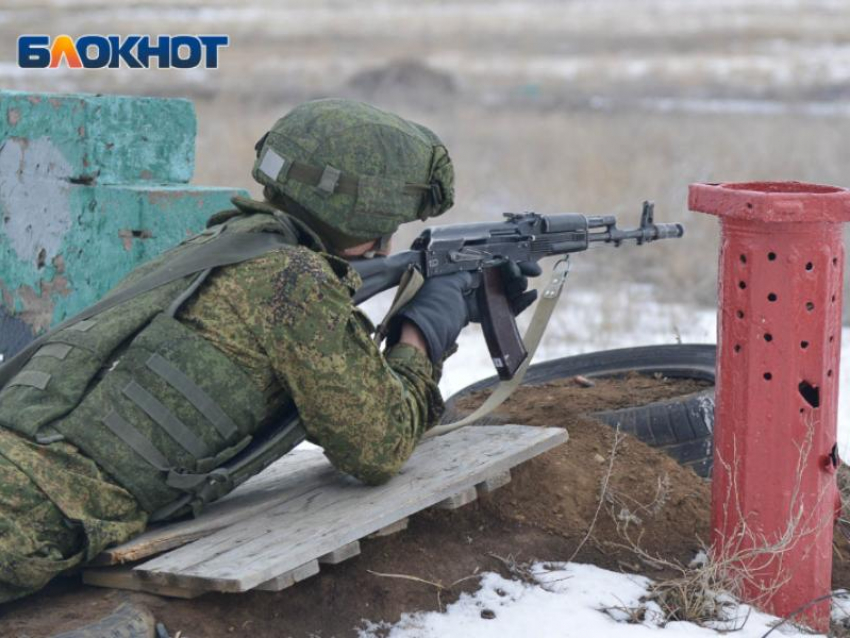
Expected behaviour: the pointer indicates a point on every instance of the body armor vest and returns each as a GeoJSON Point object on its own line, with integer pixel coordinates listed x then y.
{"type": "Point", "coordinates": [166, 414]}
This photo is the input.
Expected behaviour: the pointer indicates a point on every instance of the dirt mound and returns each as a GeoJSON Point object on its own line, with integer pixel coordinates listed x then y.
{"type": "Point", "coordinates": [647, 497]}
{"type": "Point", "coordinates": [544, 513]}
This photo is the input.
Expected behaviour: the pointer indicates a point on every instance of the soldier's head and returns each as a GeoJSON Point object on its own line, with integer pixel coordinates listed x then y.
{"type": "Point", "coordinates": [353, 173]}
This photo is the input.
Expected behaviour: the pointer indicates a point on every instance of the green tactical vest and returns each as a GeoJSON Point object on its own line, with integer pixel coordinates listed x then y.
{"type": "Point", "coordinates": [166, 414]}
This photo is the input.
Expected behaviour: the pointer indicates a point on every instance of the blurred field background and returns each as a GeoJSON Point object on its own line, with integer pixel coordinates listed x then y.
{"type": "Point", "coordinates": [553, 106]}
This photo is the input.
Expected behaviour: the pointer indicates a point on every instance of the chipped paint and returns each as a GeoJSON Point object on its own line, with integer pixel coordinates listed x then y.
{"type": "Point", "coordinates": [67, 235]}
{"type": "Point", "coordinates": [113, 138]}
{"type": "Point", "coordinates": [127, 236]}
{"type": "Point", "coordinates": [34, 197]}
{"type": "Point", "coordinates": [40, 305]}
{"type": "Point", "coordinates": [13, 116]}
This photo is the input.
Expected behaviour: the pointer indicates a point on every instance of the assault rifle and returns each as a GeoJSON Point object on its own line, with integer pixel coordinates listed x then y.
{"type": "Point", "coordinates": [483, 247]}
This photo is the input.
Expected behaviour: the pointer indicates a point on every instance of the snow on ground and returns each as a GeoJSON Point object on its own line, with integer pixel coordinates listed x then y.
{"type": "Point", "coordinates": [568, 599]}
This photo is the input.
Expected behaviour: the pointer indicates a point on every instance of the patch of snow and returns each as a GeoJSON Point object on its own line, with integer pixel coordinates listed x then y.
{"type": "Point", "coordinates": [699, 560]}
{"type": "Point", "coordinates": [841, 607]}
{"type": "Point", "coordinates": [567, 599]}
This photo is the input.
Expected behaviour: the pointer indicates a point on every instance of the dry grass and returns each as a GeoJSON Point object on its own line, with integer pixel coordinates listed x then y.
{"type": "Point", "coordinates": [707, 591]}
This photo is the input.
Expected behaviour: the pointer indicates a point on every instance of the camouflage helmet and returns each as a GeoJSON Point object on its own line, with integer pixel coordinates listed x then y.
{"type": "Point", "coordinates": [352, 171]}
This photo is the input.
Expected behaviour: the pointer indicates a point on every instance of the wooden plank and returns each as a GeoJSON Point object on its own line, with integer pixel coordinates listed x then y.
{"type": "Point", "coordinates": [459, 500]}
{"type": "Point", "coordinates": [392, 528]}
{"type": "Point", "coordinates": [493, 483]}
{"type": "Point", "coordinates": [342, 554]}
{"type": "Point", "coordinates": [301, 529]}
{"type": "Point", "coordinates": [288, 579]}
{"type": "Point", "coordinates": [294, 475]}
{"type": "Point", "coordinates": [126, 578]}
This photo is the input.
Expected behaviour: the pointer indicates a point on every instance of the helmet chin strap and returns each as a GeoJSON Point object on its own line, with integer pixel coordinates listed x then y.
{"type": "Point", "coordinates": [381, 246]}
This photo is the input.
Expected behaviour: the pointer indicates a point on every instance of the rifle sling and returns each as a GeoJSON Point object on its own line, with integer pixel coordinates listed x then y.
{"type": "Point", "coordinates": [532, 338]}
{"type": "Point", "coordinates": [410, 284]}
{"type": "Point", "coordinates": [224, 250]}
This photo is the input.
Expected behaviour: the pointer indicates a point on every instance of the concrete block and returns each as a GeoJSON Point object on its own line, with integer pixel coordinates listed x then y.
{"type": "Point", "coordinates": [105, 139]}
{"type": "Point", "coordinates": [63, 247]}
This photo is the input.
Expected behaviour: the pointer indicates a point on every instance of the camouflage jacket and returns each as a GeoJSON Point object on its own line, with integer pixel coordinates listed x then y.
{"type": "Point", "coordinates": [287, 319]}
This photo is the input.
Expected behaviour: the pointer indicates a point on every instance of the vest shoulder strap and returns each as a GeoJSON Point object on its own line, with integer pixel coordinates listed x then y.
{"type": "Point", "coordinates": [223, 250]}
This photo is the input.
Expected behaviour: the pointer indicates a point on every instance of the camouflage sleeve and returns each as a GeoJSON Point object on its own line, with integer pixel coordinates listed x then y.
{"type": "Point", "coordinates": [366, 409]}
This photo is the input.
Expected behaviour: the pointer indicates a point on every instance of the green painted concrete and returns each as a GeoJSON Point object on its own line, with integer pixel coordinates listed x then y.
{"type": "Point", "coordinates": [90, 187]}
{"type": "Point", "coordinates": [114, 230]}
{"type": "Point", "coordinates": [110, 139]}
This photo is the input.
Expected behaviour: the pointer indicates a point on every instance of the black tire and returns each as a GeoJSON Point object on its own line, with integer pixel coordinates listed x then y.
{"type": "Point", "coordinates": [681, 427]}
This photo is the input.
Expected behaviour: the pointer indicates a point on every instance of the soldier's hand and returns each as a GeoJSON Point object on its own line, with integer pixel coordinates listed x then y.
{"type": "Point", "coordinates": [440, 310]}
{"type": "Point", "coordinates": [515, 279]}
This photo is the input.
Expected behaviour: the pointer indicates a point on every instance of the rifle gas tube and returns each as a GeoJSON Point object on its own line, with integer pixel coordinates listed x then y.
{"type": "Point", "coordinates": [482, 247]}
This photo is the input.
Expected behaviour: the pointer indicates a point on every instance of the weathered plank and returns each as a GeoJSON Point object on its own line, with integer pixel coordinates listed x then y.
{"type": "Point", "coordinates": [298, 530]}
{"type": "Point", "coordinates": [342, 554]}
{"type": "Point", "coordinates": [458, 500]}
{"type": "Point", "coordinates": [126, 578]}
{"type": "Point", "coordinates": [297, 473]}
{"type": "Point", "coordinates": [288, 579]}
{"type": "Point", "coordinates": [494, 483]}
{"type": "Point", "coordinates": [392, 528]}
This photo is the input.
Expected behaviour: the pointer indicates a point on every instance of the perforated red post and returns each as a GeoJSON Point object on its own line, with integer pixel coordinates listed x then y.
{"type": "Point", "coordinates": [778, 349]}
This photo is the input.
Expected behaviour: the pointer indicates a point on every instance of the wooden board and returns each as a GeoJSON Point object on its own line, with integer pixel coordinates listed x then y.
{"type": "Point", "coordinates": [288, 579]}
{"type": "Point", "coordinates": [392, 528]}
{"type": "Point", "coordinates": [342, 554]}
{"type": "Point", "coordinates": [126, 578]}
{"type": "Point", "coordinates": [324, 510]}
{"type": "Point", "coordinates": [297, 473]}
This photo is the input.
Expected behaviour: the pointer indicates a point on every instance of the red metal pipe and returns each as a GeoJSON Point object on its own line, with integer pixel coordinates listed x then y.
{"type": "Point", "coordinates": [778, 347]}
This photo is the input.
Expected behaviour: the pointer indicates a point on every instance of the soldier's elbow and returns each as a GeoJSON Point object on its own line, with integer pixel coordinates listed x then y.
{"type": "Point", "coordinates": [376, 473]}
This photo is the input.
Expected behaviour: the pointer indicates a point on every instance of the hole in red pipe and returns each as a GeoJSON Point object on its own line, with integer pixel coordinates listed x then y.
{"type": "Point", "coordinates": [767, 376]}
{"type": "Point", "coordinates": [771, 296]}
{"type": "Point", "coordinates": [771, 256]}
{"type": "Point", "coordinates": [742, 284]}
{"type": "Point", "coordinates": [810, 306]}
{"type": "Point", "coordinates": [829, 373]}
{"type": "Point", "coordinates": [810, 393]}
{"type": "Point", "coordinates": [768, 337]}
{"type": "Point", "coordinates": [835, 261]}
{"type": "Point", "coordinates": [743, 259]}
{"type": "Point", "coordinates": [804, 344]}
{"type": "Point", "coordinates": [737, 347]}
{"type": "Point", "coordinates": [809, 265]}
{"type": "Point", "coordinates": [833, 298]}
{"type": "Point", "coordinates": [831, 338]}
{"type": "Point", "coordinates": [740, 314]}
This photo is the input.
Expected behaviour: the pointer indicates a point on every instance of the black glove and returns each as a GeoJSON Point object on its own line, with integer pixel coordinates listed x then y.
{"type": "Point", "coordinates": [515, 278]}
{"type": "Point", "coordinates": [440, 310]}
{"type": "Point", "coordinates": [515, 281]}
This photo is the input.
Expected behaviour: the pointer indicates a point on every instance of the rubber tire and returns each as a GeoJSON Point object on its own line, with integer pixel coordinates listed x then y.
{"type": "Point", "coordinates": [681, 427]}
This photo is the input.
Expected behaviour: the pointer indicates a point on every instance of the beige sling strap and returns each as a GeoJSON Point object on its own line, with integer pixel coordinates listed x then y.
{"type": "Point", "coordinates": [410, 283]}
{"type": "Point", "coordinates": [532, 338]}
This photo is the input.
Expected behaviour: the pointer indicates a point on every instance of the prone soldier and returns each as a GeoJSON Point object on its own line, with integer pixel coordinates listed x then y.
{"type": "Point", "coordinates": [128, 413]}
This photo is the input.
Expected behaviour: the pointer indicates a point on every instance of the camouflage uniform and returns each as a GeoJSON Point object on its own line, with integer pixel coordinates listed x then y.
{"type": "Point", "coordinates": [286, 320]}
